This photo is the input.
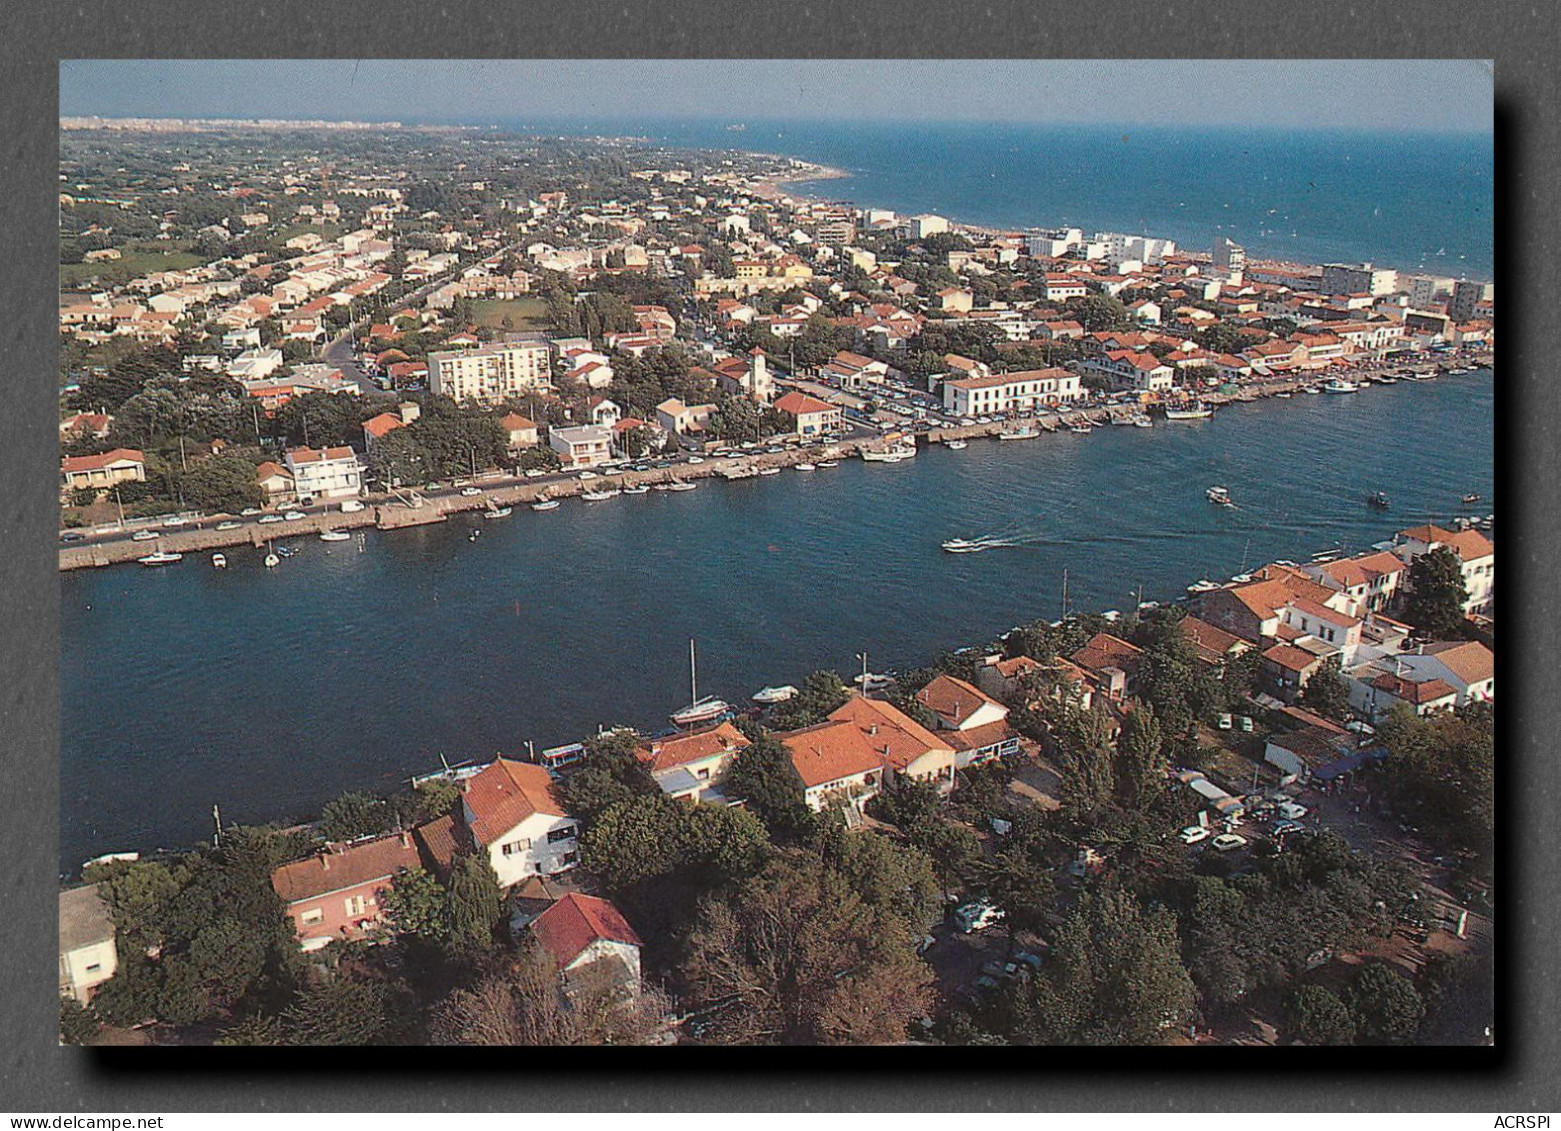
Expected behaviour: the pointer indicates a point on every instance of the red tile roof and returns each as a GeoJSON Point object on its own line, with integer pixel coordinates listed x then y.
{"type": "Point", "coordinates": [1469, 660]}
{"type": "Point", "coordinates": [98, 462]}
{"type": "Point", "coordinates": [572, 924]}
{"type": "Point", "coordinates": [896, 738]}
{"type": "Point", "coordinates": [1290, 657]}
{"type": "Point", "coordinates": [695, 746]}
{"type": "Point", "coordinates": [1107, 651]}
{"type": "Point", "coordinates": [953, 700]}
{"type": "Point", "coordinates": [1411, 692]}
{"type": "Point", "coordinates": [798, 404]}
{"type": "Point", "coordinates": [384, 423]}
{"type": "Point", "coordinates": [344, 867]}
{"type": "Point", "coordinates": [830, 751]}
{"type": "Point", "coordinates": [441, 841]}
{"type": "Point", "coordinates": [505, 794]}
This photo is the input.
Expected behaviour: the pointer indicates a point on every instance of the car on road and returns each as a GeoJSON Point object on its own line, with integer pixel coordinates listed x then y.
{"type": "Point", "coordinates": [535, 473]}
{"type": "Point", "coordinates": [143, 535]}
{"type": "Point", "coordinates": [249, 512]}
{"type": "Point", "coordinates": [294, 516]}
{"type": "Point", "coordinates": [73, 536]}
{"type": "Point", "coordinates": [351, 506]}
{"type": "Point", "coordinates": [175, 522]}
{"type": "Point", "coordinates": [270, 518]}
{"type": "Point", "coordinates": [1228, 842]}
{"type": "Point", "coordinates": [587, 476]}
{"type": "Point", "coordinates": [696, 459]}
{"type": "Point", "coordinates": [469, 492]}
{"type": "Point", "coordinates": [228, 524]}
{"type": "Point", "coordinates": [1192, 834]}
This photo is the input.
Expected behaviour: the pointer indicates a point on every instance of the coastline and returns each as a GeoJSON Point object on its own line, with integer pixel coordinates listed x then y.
{"type": "Point", "coordinates": [384, 513]}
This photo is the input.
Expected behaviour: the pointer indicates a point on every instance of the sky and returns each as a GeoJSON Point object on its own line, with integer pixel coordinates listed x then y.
{"type": "Point", "coordinates": [1439, 95]}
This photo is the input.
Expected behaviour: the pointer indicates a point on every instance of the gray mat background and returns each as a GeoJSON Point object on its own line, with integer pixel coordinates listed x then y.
{"type": "Point", "coordinates": [36, 1076]}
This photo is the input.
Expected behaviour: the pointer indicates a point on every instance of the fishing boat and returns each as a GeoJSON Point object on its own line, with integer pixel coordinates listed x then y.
{"type": "Point", "coordinates": [499, 512]}
{"type": "Point", "coordinates": [963, 546]}
{"type": "Point", "coordinates": [1219, 496]}
{"type": "Point", "coordinates": [893, 454]}
{"type": "Point", "coordinates": [769, 471]}
{"type": "Point", "coordinates": [872, 681]}
{"type": "Point", "coordinates": [545, 503]}
{"type": "Point", "coordinates": [597, 496]}
{"type": "Point", "coordinates": [957, 445]}
{"type": "Point", "coordinates": [698, 710]}
{"type": "Point", "coordinates": [1081, 427]}
{"type": "Point", "coordinates": [825, 464]}
{"type": "Point", "coordinates": [1283, 396]}
{"type": "Point", "coordinates": [1025, 433]}
{"type": "Point", "coordinates": [1142, 421]}
{"type": "Point", "coordinates": [335, 536]}
{"type": "Point", "coordinates": [1387, 379]}
{"type": "Point", "coordinates": [1310, 390]}
{"type": "Point", "coordinates": [287, 551]}
{"type": "Point", "coordinates": [160, 558]}
{"type": "Point", "coordinates": [806, 466]}
{"type": "Point", "coordinates": [637, 489]}
{"type": "Point", "coordinates": [1198, 411]}
{"type": "Point", "coordinates": [684, 485]}
{"type": "Point", "coordinates": [1203, 586]}
{"type": "Point", "coordinates": [1378, 499]}
{"type": "Point", "coordinates": [1468, 499]}
{"type": "Point", "coordinates": [219, 561]}
{"type": "Point", "coordinates": [1339, 386]}
{"type": "Point", "coordinates": [768, 695]}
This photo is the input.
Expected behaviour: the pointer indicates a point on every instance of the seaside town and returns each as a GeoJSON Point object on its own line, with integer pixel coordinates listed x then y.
{"type": "Point", "coordinates": [1262, 814]}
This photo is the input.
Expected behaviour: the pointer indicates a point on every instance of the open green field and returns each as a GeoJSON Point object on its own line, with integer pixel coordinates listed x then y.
{"type": "Point", "coordinates": [523, 313]}
{"type": "Point", "coordinates": [136, 261]}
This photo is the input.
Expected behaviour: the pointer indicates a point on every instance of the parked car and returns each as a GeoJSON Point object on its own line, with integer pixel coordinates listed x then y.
{"type": "Point", "coordinates": [535, 473]}
{"type": "Point", "coordinates": [1225, 722]}
{"type": "Point", "coordinates": [270, 518]}
{"type": "Point", "coordinates": [1228, 842]}
{"type": "Point", "coordinates": [249, 512]}
{"type": "Point", "coordinates": [1283, 827]}
{"type": "Point", "coordinates": [696, 459]}
{"type": "Point", "coordinates": [1290, 811]}
{"type": "Point", "coordinates": [1192, 834]}
{"type": "Point", "coordinates": [294, 516]}
{"type": "Point", "coordinates": [228, 524]}
{"type": "Point", "coordinates": [351, 506]}
{"type": "Point", "coordinates": [469, 492]}
{"type": "Point", "coordinates": [1245, 723]}
{"type": "Point", "coordinates": [73, 536]}
{"type": "Point", "coordinates": [174, 522]}
{"type": "Point", "coordinates": [143, 535]}
{"type": "Point", "coordinates": [585, 477]}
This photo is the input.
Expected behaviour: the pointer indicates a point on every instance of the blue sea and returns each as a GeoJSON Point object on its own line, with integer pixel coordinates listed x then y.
{"type": "Point", "coordinates": [1408, 200]}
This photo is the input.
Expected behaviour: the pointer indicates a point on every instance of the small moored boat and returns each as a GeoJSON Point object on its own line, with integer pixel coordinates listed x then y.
{"type": "Point", "coordinates": [219, 561]}
{"type": "Point", "coordinates": [806, 466]}
{"type": "Point", "coordinates": [335, 536]}
{"type": "Point", "coordinates": [499, 512]}
{"type": "Point", "coordinates": [637, 489]}
{"type": "Point", "coordinates": [768, 695]}
{"type": "Point", "coordinates": [160, 558]}
{"type": "Point", "coordinates": [957, 445]}
{"type": "Point", "coordinates": [1378, 499]}
{"type": "Point", "coordinates": [684, 485]}
{"type": "Point", "coordinates": [1339, 386]}
{"type": "Point", "coordinates": [769, 471]}
{"type": "Point", "coordinates": [699, 710]}
{"type": "Point", "coordinates": [545, 504]}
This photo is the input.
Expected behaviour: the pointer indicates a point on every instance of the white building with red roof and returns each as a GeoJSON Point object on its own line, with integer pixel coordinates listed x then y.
{"type": "Point", "coordinates": [510, 811]}
{"type": "Point", "coordinates": [582, 931]}
{"type": "Point", "coordinates": [690, 766]}
{"type": "Point", "coordinates": [325, 473]}
{"type": "Point", "coordinates": [102, 471]}
{"type": "Point", "coordinates": [1022, 391]}
{"type": "Point", "coordinates": [811, 416]}
{"type": "Point", "coordinates": [1476, 554]}
{"type": "Point", "coordinates": [969, 720]}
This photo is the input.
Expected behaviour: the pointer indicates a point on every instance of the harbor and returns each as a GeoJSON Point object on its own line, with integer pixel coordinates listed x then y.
{"type": "Point", "coordinates": [429, 643]}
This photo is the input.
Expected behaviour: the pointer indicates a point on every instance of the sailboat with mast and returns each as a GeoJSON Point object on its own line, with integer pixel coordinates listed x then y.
{"type": "Point", "coordinates": [698, 710]}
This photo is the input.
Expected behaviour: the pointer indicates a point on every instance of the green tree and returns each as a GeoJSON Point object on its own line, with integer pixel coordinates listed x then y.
{"type": "Point", "coordinates": [821, 693]}
{"type": "Point", "coordinates": [1316, 1016]}
{"type": "Point", "coordinates": [608, 773]}
{"type": "Point", "coordinates": [797, 956]}
{"type": "Point", "coordinates": [1437, 594]}
{"type": "Point", "coordinates": [353, 815]}
{"type": "Point", "coordinates": [1084, 759]}
{"type": "Point", "coordinates": [1385, 1004]}
{"type": "Point", "coordinates": [1099, 312]}
{"type": "Point", "coordinates": [1140, 766]}
{"type": "Point", "coordinates": [415, 906]}
{"type": "Point", "coordinates": [1326, 692]}
{"type": "Point", "coordinates": [224, 484]}
{"type": "Point", "coordinates": [343, 1011]}
{"type": "Point", "coordinates": [472, 906]}
{"type": "Point", "coordinates": [397, 459]}
{"type": "Point", "coordinates": [764, 776]}
{"type": "Point", "coordinates": [1114, 976]}
{"type": "Point", "coordinates": [78, 1025]}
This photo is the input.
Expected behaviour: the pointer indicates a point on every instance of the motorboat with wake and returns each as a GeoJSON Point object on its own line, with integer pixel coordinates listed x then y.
{"type": "Point", "coordinates": [1220, 496]}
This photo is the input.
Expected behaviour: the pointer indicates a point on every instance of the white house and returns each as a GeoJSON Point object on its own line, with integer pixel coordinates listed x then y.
{"type": "Point", "coordinates": [1023, 391]}
{"type": "Point", "coordinates": [1467, 666]}
{"type": "Point", "coordinates": [1475, 552]}
{"type": "Point", "coordinates": [581, 931]}
{"type": "Point", "coordinates": [511, 812]}
{"type": "Point", "coordinates": [253, 363]}
{"type": "Point", "coordinates": [970, 720]}
{"type": "Point", "coordinates": [88, 957]}
{"type": "Point", "coordinates": [586, 446]}
{"type": "Point", "coordinates": [325, 473]}
{"type": "Point", "coordinates": [690, 766]}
